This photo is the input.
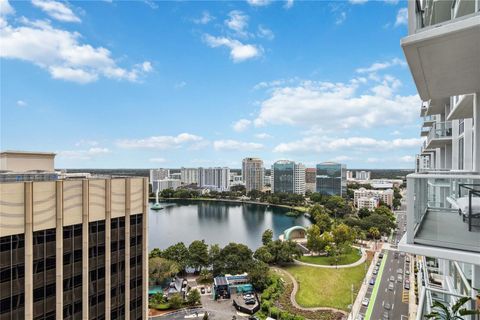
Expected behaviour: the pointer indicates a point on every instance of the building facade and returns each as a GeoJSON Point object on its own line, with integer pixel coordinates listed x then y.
{"type": "Point", "coordinates": [216, 179]}
{"type": "Point", "coordinates": [362, 175]}
{"type": "Point", "coordinates": [74, 249]}
{"type": "Point", "coordinates": [367, 202]}
{"type": "Point", "coordinates": [189, 175]}
{"type": "Point", "coordinates": [288, 176]}
{"type": "Point", "coordinates": [311, 179]}
{"type": "Point", "coordinates": [385, 196]}
{"type": "Point", "coordinates": [331, 179]}
{"type": "Point", "coordinates": [159, 174]}
{"type": "Point", "coordinates": [443, 197]}
{"type": "Point", "coordinates": [160, 185]}
{"type": "Point", "coordinates": [253, 174]}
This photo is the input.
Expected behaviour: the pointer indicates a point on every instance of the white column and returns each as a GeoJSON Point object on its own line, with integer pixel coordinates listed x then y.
{"type": "Point", "coordinates": [476, 132]}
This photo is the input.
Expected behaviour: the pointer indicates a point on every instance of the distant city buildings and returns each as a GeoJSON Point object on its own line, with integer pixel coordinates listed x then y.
{"type": "Point", "coordinates": [159, 174]}
{"type": "Point", "coordinates": [362, 175]}
{"type": "Point", "coordinates": [311, 179]}
{"type": "Point", "coordinates": [160, 185]}
{"type": "Point", "coordinates": [189, 175]}
{"type": "Point", "coordinates": [367, 202]}
{"type": "Point", "coordinates": [175, 176]}
{"type": "Point", "coordinates": [71, 248]}
{"type": "Point", "coordinates": [216, 179]}
{"type": "Point", "coordinates": [288, 176]}
{"type": "Point", "coordinates": [331, 178]}
{"type": "Point", "coordinates": [236, 179]}
{"type": "Point", "coordinates": [385, 196]}
{"type": "Point", "coordinates": [349, 175]}
{"type": "Point", "coordinates": [253, 174]}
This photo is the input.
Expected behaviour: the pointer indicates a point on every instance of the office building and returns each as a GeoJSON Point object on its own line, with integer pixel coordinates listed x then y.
{"type": "Point", "coordinates": [159, 174]}
{"type": "Point", "coordinates": [216, 179]}
{"type": "Point", "coordinates": [362, 175]}
{"type": "Point", "coordinates": [331, 179]}
{"type": "Point", "coordinates": [189, 175]}
{"type": "Point", "coordinates": [288, 177]}
{"type": "Point", "coordinates": [443, 197]}
{"type": "Point", "coordinates": [385, 196]}
{"type": "Point", "coordinates": [253, 174]}
{"type": "Point", "coordinates": [160, 185]}
{"type": "Point", "coordinates": [71, 248]}
{"type": "Point", "coordinates": [311, 179]}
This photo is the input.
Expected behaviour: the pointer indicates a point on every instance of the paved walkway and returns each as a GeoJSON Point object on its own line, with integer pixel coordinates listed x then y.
{"type": "Point", "coordinates": [294, 293]}
{"type": "Point", "coordinates": [356, 263]}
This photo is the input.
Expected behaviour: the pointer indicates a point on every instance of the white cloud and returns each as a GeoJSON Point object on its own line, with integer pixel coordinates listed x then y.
{"type": "Point", "coordinates": [377, 66]}
{"type": "Point", "coordinates": [266, 33]}
{"type": "Point", "coordinates": [180, 85]}
{"type": "Point", "coordinates": [160, 142]}
{"type": "Point", "coordinates": [62, 55]}
{"type": "Point", "coordinates": [321, 144]}
{"type": "Point", "coordinates": [91, 143]}
{"type": "Point", "coordinates": [395, 133]}
{"type": "Point", "coordinates": [151, 3]}
{"type": "Point", "coordinates": [341, 18]}
{"type": "Point", "coordinates": [238, 22]}
{"type": "Point", "coordinates": [83, 154]}
{"type": "Point", "coordinates": [6, 8]}
{"type": "Point", "coordinates": [238, 51]}
{"type": "Point", "coordinates": [21, 103]}
{"type": "Point", "coordinates": [56, 10]}
{"type": "Point", "coordinates": [331, 106]}
{"type": "Point", "coordinates": [288, 4]}
{"type": "Point", "coordinates": [241, 125]}
{"type": "Point", "coordinates": [205, 18]}
{"type": "Point", "coordinates": [357, 1]}
{"type": "Point", "coordinates": [158, 160]}
{"type": "Point", "coordinates": [341, 158]}
{"type": "Point", "coordinates": [234, 145]}
{"type": "Point", "coordinates": [259, 3]}
{"type": "Point", "coordinates": [263, 136]}
{"type": "Point", "coordinates": [402, 17]}
{"type": "Point", "coordinates": [408, 159]}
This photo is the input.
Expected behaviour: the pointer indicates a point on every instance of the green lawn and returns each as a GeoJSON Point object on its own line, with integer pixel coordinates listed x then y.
{"type": "Point", "coordinates": [346, 258]}
{"type": "Point", "coordinates": [326, 287]}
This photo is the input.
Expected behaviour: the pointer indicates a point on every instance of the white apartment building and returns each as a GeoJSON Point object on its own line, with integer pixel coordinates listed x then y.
{"type": "Point", "coordinates": [349, 175]}
{"type": "Point", "coordinates": [367, 202]}
{"type": "Point", "coordinates": [159, 174]}
{"type": "Point", "coordinates": [236, 179]}
{"type": "Point", "coordinates": [288, 176]}
{"type": "Point", "coordinates": [443, 196]}
{"type": "Point", "coordinates": [160, 185]}
{"type": "Point", "coordinates": [189, 175]}
{"type": "Point", "coordinates": [385, 196]}
{"type": "Point", "coordinates": [253, 174]}
{"type": "Point", "coordinates": [216, 179]}
{"type": "Point", "coordinates": [362, 175]}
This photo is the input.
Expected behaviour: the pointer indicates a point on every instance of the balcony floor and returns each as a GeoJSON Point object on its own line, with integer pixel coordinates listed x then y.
{"type": "Point", "coordinates": [446, 229]}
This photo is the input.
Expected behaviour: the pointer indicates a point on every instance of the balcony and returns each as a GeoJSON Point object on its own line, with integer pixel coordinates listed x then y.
{"type": "Point", "coordinates": [429, 120]}
{"type": "Point", "coordinates": [443, 47]}
{"type": "Point", "coordinates": [443, 215]}
{"type": "Point", "coordinates": [462, 107]}
{"type": "Point", "coordinates": [439, 135]}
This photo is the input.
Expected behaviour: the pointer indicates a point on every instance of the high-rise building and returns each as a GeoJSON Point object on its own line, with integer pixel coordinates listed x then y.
{"type": "Point", "coordinates": [253, 174]}
{"type": "Point", "coordinates": [189, 175]}
{"type": "Point", "coordinates": [443, 197]}
{"type": "Point", "coordinates": [288, 176]}
{"type": "Point", "coordinates": [160, 185]}
{"type": "Point", "coordinates": [217, 179]}
{"type": "Point", "coordinates": [71, 248]}
{"type": "Point", "coordinates": [362, 175]}
{"type": "Point", "coordinates": [349, 175]}
{"type": "Point", "coordinates": [159, 174]}
{"type": "Point", "coordinates": [331, 179]}
{"type": "Point", "coordinates": [311, 179]}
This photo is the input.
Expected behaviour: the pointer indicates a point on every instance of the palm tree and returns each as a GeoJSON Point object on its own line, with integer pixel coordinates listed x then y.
{"type": "Point", "coordinates": [443, 312]}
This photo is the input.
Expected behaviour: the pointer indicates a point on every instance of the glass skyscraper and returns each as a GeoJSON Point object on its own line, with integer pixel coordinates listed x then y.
{"type": "Point", "coordinates": [331, 179]}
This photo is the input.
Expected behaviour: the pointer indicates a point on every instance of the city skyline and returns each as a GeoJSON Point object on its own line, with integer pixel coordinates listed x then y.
{"type": "Point", "coordinates": [235, 98]}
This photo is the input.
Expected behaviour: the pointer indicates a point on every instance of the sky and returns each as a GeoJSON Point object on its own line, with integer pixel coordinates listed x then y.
{"type": "Point", "coordinates": [144, 84]}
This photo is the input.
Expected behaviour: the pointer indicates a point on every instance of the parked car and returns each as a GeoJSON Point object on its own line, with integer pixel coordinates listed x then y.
{"type": "Point", "coordinates": [407, 259]}
{"type": "Point", "coordinates": [399, 270]}
{"type": "Point", "coordinates": [385, 315]}
{"type": "Point", "coordinates": [395, 255]}
{"type": "Point", "coordinates": [372, 281]}
{"type": "Point", "coordinates": [365, 302]}
{"type": "Point", "coordinates": [407, 272]}
{"type": "Point", "coordinates": [250, 301]}
{"type": "Point", "coordinates": [387, 306]}
{"type": "Point", "coordinates": [402, 254]}
{"type": "Point", "coordinates": [378, 264]}
{"type": "Point", "coordinates": [392, 279]}
{"type": "Point", "coordinates": [391, 286]}
{"type": "Point", "coordinates": [380, 255]}
{"type": "Point", "coordinates": [209, 290]}
{"type": "Point", "coordinates": [202, 290]}
{"type": "Point", "coordinates": [406, 286]}
{"type": "Point", "coordinates": [375, 271]}
{"type": "Point", "coordinates": [399, 278]}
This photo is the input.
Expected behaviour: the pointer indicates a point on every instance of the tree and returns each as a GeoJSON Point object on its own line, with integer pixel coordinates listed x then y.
{"type": "Point", "coordinates": [167, 193]}
{"type": "Point", "coordinates": [258, 275]}
{"type": "Point", "coordinates": [324, 222]}
{"type": "Point", "coordinates": [156, 252]}
{"type": "Point", "coordinates": [193, 297]}
{"type": "Point", "coordinates": [342, 235]}
{"type": "Point", "coordinates": [374, 232]}
{"type": "Point", "coordinates": [283, 251]}
{"type": "Point", "coordinates": [178, 253]}
{"type": "Point", "coordinates": [205, 276]}
{"type": "Point", "coordinates": [235, 258]}
{"type": "Point", "coordinates": [160, 269]}
{"type": "Point", "coordinates": [205, 316]}
{"type": "Point", "coordinates": [263, 254]}
{"type": "Point", "coordinates": [314, 239]}
{"type": "Point", "coordinates": [317, 197]}
{"type": "Point", "coordinates": [238, 188]}
{"type": "Point", "coordinates": [396, 203]}
{"type": "Point", "coordinates": [175, 301]}
{"type": "Point", "coordinates": [267, 237]}
{"type": "Point", "coordinates": [456, 312]}
{"type": "Point", "coordinates": [363, 213]}
{"type": "Point", "coordinates": [214, 258]}
{"type": "Point", "coordinates": [383, 210]}
{"type": "Point", "coordinates": [198, 254]}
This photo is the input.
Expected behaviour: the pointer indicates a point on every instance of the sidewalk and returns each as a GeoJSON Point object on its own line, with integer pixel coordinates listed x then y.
{"type": "Point", "coordinates": [357, 305]}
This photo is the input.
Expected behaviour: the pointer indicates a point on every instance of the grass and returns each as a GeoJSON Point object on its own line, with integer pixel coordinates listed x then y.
{"type": "Point", "coordinates": [347, 258]}
{"type": "Point", "coordinates": [326, 287]}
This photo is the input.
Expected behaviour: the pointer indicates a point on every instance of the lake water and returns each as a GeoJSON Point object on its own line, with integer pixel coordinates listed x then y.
{"type": "Point", "coordinates": [217, 222]}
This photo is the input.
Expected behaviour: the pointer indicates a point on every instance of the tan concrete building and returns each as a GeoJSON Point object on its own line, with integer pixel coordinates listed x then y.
{"type": "Point", "coordinates": [73, 248]}
{"type": "Point", "coordinates": [382, 195]}
{"type": "Point", "coordinates": [253, 174]}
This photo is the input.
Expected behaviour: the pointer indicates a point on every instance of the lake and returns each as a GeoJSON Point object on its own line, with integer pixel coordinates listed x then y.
{"type": "Point", "coordinates": [217, 222]}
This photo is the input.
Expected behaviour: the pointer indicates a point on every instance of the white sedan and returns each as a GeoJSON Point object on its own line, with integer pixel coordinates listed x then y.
{"type": "Point", "coordinates": [365, 302]}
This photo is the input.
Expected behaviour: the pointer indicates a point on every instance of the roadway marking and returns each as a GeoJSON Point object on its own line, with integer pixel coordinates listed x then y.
{"type": "Point", "coordinates": [405, 296]}
{"type": "Point", "coordinates": [378, 280]}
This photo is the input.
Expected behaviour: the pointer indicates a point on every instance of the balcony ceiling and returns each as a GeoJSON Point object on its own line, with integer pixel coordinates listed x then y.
{"type": "Point", "coordinates": [438, 142]}
{"type": "Point", "coordinates": [437, 106]}
{"type": "Point", "coordinates": [445, 59]}
{"type": "Point", "coordinates": [463, 109]}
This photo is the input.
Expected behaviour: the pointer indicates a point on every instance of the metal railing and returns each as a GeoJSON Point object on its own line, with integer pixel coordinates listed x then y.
{"type": "Point", "coordinates": [440, 130]}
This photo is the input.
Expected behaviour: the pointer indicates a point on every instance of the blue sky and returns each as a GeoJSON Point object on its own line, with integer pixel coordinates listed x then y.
{"type": "Point", "coordinates": [117, 84]}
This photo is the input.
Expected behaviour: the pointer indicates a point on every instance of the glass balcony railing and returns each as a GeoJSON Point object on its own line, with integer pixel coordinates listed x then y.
{"type": "Point", "coordinates": [444, 210]}
{"type": "Point", "coordinates": [439, 130]}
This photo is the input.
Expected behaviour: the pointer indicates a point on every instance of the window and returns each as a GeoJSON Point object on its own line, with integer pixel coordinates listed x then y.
{"type": "Point", "coordinates": [460, 153]}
